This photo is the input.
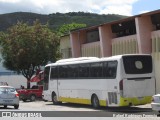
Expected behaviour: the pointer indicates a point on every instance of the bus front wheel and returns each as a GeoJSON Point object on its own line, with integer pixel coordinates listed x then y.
{"type": "Point", "coordinates": [95, 101]}
{"type": "Point", "coordinates": [54, 99]}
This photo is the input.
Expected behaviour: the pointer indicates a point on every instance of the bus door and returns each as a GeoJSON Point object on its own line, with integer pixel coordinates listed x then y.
{"type": "Point", "coordinates": [46, 81]}
{"type": "Point", "coordinates": [54, 80]}
{"type": "Point", "coordinates": [62, 84]}
{"type": "Point", "coordinates": [110, 73]}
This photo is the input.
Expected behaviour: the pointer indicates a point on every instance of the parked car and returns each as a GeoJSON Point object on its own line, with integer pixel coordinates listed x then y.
{"type": "Point", "coordinates": [31, 94]}
{"type": "Point", "coordinates": [9, 97]}
{"type": "Point", "coordinates": [156, 102]}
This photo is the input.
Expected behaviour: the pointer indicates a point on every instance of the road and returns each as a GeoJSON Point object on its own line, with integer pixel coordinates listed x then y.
{"type": "Point", "coordinates": [78, 110]}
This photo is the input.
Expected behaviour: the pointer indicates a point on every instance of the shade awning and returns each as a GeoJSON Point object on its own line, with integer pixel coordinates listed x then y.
{"type": "Point", "coordinates": [35, 79]}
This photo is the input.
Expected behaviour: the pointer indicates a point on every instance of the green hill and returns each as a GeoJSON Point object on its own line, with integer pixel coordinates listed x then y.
{"type": "Point", "coordinates": [55, 20]}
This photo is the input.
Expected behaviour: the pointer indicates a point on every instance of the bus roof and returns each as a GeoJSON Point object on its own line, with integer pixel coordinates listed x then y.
{"type": "Point", "coordinates": [89, 59]}
{"type": "Point", "coordinates": [72, 60]}
{"type": "Point", "coordinates": [76, 59]}
{"type": "Point", "coordinates": [120, 56]}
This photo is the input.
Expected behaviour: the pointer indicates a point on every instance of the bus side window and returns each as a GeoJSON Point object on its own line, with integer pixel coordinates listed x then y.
{"type": "Point", "coordinates": [54, 73]}
{"type": "Point", "coordinates": [72, 71]}
{"type": "Point", "coordinates": [96, 70]}
{"type": "Point", "coordinates": [105, 69]}
{"type": "Point", "coordinates": [63, 71]}
{"type": "Point", "coordinates": [83, 70]}
{"type": "Point", "coordinates": [110, 69]}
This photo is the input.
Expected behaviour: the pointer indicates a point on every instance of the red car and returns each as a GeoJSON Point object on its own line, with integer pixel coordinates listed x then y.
{"type": "Point", "coordinates": [31, 94]}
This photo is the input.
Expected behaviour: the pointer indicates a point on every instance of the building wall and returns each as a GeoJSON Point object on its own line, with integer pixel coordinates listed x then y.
{"type": "Point", "coordinates": [125, 45]}
{"type": "Point", "coordinates": [106, 36]}
{"type": "Point", "coordinates": [65, 42]}
{"type": "Point", "coordinates": [75, 44]}
{"type": "Point", "coordinates": [144, 28]}
{"type": "Point", "coordinates": [91, 50]}
{"type": "Point", "coordinates": [156, 56]}
{"type": "Point", "coordinates": [65, 47]}
{"type": "Point", "coordinates": [14, 80]}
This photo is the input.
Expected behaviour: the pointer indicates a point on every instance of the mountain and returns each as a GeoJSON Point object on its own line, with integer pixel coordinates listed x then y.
{"type": "Point", "coordinates": [7, 20]}
{"type": "Point", "coordinates": [55, 20]}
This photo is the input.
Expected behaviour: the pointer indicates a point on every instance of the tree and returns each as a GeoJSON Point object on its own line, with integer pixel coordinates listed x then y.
{"type": "Point", "coordinates": [26, 48]}
{"type": "Point", "coordinates": [66, 28]}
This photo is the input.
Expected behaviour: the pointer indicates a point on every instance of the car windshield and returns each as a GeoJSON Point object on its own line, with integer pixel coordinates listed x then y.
{"type": "Point", "coordinates": [7, 89]}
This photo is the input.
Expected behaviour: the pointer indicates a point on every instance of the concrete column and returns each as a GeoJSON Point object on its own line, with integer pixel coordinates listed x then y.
{"type": "Point", "coordinates": [106, 36]}
{"type": "Point", "coordinates": [82, 37]}
{"type": "Point", "coordinates": [144, 28]}
{"type": "Point", "coordinates": [75, 44]}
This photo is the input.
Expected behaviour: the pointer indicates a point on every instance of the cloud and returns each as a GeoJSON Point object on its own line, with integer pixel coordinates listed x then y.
{"type": "Point", "coordinates": [144, 11]}
{"type": "Point", "coordinates": [123, 7]}
{"type": "Point", "coordinates": [116, 9]}
{"type": "Point", "coordinates": [9, 1]}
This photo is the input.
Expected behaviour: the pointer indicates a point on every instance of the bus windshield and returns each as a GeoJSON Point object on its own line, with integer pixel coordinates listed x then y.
{"type": "Point", "coordinates": [137, 64]}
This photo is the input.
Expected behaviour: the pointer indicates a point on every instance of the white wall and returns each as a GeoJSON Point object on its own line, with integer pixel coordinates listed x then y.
{"type": "Point", "coordinates": [14, 80]}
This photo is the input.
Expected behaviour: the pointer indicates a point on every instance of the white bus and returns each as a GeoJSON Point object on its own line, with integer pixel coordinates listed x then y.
{"type": "Point", "coordinates": [122, 80]}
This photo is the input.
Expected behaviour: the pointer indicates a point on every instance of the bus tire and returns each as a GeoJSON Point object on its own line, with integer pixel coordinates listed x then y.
{"type": "Point", "coordinates": [95, 101]}
{"type": "Point", "coordinates": [54, 99]}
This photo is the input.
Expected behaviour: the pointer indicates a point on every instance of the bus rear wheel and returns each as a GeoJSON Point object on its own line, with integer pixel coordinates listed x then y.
{"type": "Point", "coordinates": [95, 101]}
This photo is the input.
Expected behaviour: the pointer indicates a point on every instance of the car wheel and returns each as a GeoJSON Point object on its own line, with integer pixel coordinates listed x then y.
{"type": "Point", "coordinates": [32, 98]}
{"type": "Point", "coordinates": [5, 106]}
{"type": "Point", "coordinates": [95, 101]}
{"type": "Point", "coordinates": [16, 106]}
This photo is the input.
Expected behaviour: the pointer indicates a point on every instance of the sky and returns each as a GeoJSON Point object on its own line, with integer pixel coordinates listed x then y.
{"type": "Point", "coordinates": [122, 7]}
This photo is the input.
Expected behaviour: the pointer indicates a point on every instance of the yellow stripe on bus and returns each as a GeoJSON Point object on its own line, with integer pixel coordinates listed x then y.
{"type": "Point", "coordinates": [123, 101]}
{"type": "Point", "coordinates": [134, 101]}
{"type": "Point", "coordinates": [80, 100]}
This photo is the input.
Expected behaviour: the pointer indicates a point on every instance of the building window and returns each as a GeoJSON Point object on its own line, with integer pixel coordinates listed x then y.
{"type": "Point", "coordinates": [93, 36]}
{"type": "Point", "coordinates": [124, 28]}
{"type": "Point", "coordinates": [156, 20]}
{"type": "Point", "coordinates": [66, 53]}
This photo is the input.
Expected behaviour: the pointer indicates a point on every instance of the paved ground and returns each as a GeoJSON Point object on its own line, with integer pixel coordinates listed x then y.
{"type": "Point", "coordinates": [78, 110]}
{"type": "Point", "coordinates": [145, 106]}
{"type": "Point", "coordinates": [47, 106]}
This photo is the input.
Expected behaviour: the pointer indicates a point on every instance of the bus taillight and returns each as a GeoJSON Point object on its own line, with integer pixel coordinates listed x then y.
{"type": "Point", "coordinates": [121, 85]}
